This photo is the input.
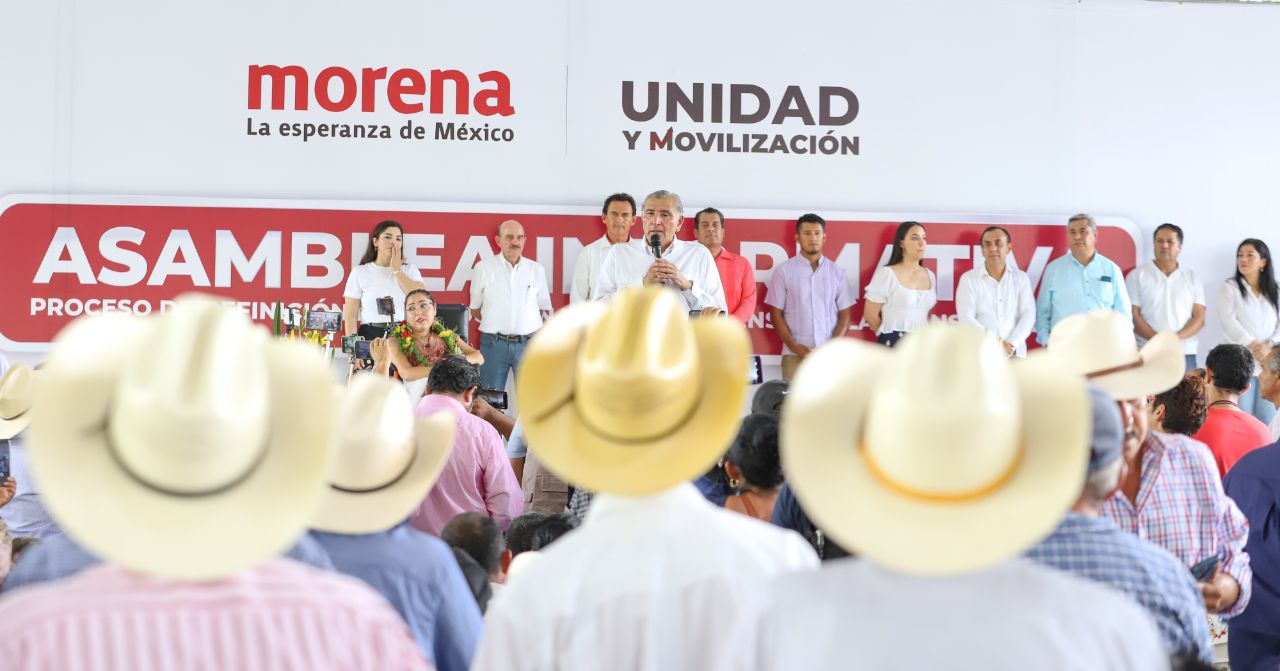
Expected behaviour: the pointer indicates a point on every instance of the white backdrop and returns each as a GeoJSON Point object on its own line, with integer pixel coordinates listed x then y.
{"type": "Point", "coordinates": [1147, 111]}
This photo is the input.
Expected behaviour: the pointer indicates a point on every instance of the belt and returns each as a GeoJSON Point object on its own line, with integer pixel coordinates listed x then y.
{"type": "Point", "coordinates": [511, 338]}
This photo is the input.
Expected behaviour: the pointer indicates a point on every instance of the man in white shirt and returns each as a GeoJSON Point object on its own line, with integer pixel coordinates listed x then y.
{"type": "Point", "coordinates": [996, 297]}
{"type": "Point", "coordinates": [510, 298]}
{"type": "Point", "coordinates": [683, 265]}
{"type": "Point", "coordinates": [1167, 296]}
{"type": "Point", "coordinates": [654, 577]}
{"type": "Point", "coordinates": [619, 215]}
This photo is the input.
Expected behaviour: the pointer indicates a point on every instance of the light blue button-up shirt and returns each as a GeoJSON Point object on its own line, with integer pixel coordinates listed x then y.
{"type": "Point", "coordinates": [418, 575]}
{"type": "Point", "coordinates": [1069, 287]}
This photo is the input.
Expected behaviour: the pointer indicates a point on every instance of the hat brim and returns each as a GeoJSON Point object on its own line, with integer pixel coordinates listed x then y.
{"type": "Point", "coordinates": [576, 453]}
{"type": "Point", "coordinates": [121, 520]}
{"type": "Point", "coordinates": [12, 427]}
{"type": "Point", "coordinates": [1163, 366]}
{"type": "Point", "coordinates": [821, 433]}
{"type": "Point", "coordinates": [368, 512]}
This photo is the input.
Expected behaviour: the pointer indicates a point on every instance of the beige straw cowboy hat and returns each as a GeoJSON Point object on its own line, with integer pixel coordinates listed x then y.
{"type": "Point", "coordinates": [1100, 346]}
{"type": "Point", "coordinates": [17, 391]}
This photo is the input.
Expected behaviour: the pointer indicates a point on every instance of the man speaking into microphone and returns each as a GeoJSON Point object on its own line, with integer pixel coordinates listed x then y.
{"type": "Point", "coordinates": [659, 258]}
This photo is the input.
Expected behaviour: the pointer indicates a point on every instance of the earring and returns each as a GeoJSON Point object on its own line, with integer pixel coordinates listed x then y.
{"type": "Point", "coordinates": [734, 483]}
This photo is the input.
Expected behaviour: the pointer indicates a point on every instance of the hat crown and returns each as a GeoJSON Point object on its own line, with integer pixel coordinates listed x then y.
{"type": "Point", "coordinates": [639, 367]}
{"type": "Point", "coordinates": [375, 434]}
{"type": "Point", "coordinates": [194, 418]}
{"type": "Point", "coordinates": [17, 389]}
{"type": "Point", "coordinates": [1091, 342]}
{"type": "Point", "coordinates": [954, 388]}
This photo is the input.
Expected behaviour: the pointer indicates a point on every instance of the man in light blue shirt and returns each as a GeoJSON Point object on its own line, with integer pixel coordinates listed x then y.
{"type": "Point", "coordinates": [1079, 281]}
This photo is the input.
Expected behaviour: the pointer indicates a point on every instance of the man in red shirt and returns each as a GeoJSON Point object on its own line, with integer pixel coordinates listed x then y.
{"type": "Point", "coordinates": [735, 273]}
{"type": "Point", "coordinates": [1230, 432]}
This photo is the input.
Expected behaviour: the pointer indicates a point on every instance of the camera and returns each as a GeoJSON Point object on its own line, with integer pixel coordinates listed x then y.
{"type": "Point", "coordinates": [495, 398]}
{"type": "Point", "coordinates": [387, 307]}
{"type": "Point", "coordinates": [349, 343]}
{"type": "Point", "coordinates": [318, 320]}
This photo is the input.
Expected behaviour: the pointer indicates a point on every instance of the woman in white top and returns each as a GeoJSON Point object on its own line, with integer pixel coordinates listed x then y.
{"type": "Point", "coordinates": [418, 344]}
{"type": "Point", "coordinates": [1249, 307]}
{"type": "Point", "coordinates": [382, 274]}
{"type": "Point", "coordinates": [902, 292]}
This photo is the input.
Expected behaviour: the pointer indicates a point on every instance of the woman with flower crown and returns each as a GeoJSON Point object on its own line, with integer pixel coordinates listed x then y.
{"type": "Point", "coordinates": [417, 343]}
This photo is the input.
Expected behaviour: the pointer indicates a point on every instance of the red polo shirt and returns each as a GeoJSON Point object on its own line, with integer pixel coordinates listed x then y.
{"type": "Point", "coordinates": [1231, 435]}
{"type": "Point", "coordinates": [739, 284]}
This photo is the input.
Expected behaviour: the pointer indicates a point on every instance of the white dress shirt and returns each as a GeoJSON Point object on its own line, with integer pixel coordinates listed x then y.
{"type": "Point", "coordinates": [1004, 308]}
{"type": "Point", "coordinates": [1246, 319]}
{"type": "Point", "coordinates": [1275, 427]}
{"type": "Point", "coordinates": [1165, 301]}
{"type": "Point", "coordinates": [509, 297]}
{"type": "Point", "coordinates": [904, 309]}
{"type": "Point", "coordinates": [626, 264]}
{"type": "Point", "coordinates": [587, 268]}
{"type": "Point", "coordinates": [645, 584]}
{"type": "Point", "coordinates": [856, 615]}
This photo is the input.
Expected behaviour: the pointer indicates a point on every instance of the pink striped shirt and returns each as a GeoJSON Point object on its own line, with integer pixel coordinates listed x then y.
{"type": "Point", "coordinates": [476, 478]}
{"type": "Point", "coordinates": [280, 615]}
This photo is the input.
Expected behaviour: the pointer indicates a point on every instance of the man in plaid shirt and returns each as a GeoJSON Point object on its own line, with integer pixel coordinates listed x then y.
{"type": "Point", "coordinates": [1092, 547]}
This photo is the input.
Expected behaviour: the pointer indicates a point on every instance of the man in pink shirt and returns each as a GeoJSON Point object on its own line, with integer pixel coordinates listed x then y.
{"type": "Point", "coordinates": [735, 273]}
{"type": "Point", "coordinates": [1230, 432]}
{"type": "Point", "coordinates": [478, 477]}
{"type": "Point", "coordinates": [125, 406]}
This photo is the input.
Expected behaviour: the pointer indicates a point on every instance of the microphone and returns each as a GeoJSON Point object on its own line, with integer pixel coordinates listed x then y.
{"type": "Point", "coordinates": [655, 242]}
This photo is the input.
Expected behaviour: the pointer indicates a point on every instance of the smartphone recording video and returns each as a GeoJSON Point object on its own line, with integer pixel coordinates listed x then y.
{"type": "Point", "coordinates": [493, 397]}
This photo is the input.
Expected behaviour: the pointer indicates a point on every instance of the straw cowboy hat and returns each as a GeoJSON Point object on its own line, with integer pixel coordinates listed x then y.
{"type": "Point", "coordinates": [938, 456]}
{"type": "Point", "coordinates": [631, 396]}
{"type": "Point", "coordinates": [387, 460]}
{"type": "Point", "coordinates": [1099, 345]}
{"type": "Point", "coordinates": [17, 390]}
{"type": "Point", "coordinates": [187, 445]}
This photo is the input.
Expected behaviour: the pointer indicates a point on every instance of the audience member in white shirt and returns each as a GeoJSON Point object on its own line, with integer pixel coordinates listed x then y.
{"type": "Point", "coordinates": [1269, 387]}
{"type": "Point", "coordinates": [1167, 296]}
{"type": "Point", "coordinates": [683, 265]}
{"type": "Point", "coordinates": [510, 298]}
{"type": "Point", "coordinates": [656, 574]}
{"type": "Point", "coordinates": [619, 215]}
{"type": "Point", "coordinates": [382, 275]}
{"type": "Point", "coordinates": [938, 583]}
{"type": "Point", "coordinates": [1247, 307]}
{"type": "Point", "coordinates": [996, 297]}
{"type": "Point", "coordinates": [901, 292]}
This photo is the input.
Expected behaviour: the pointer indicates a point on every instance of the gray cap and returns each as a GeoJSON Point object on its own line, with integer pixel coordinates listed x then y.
{"type": "Point", "coordinates": [769, 397]}
{"type": "Point", "coordinates": [1106, 441]}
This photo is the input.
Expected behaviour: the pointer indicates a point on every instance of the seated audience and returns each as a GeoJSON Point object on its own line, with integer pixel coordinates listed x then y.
{"type": "Point", "coordinates": [1230, 432]}
{"type": "Point", "coordinates": [1254, 484]}
{"type": "Point", "coordinates": [477, 578]}
{"type": "Point", "coordinates": [1181, 408]}
{"type": "Point", "coordinates": [1171, 493]}
{"type": "Point", "coordinates": [387, 460]}
{"type": "Point", "coordinates": [6, 552]}
{"type": "Point", "coordinates": [477, 477]}
{"type": "Point", "coordinates": [520, 533]}
{"type": "Point", "coordinates": [754, 468]}
{"type": "Point", "coordinates": [1091, 547]}
{"type": "Point", "coordinates": [189, 579]}
{"type": "Point", "coordinates": [479, 536]}
{"type": "Point", "coordinates": [551, 530]}
{"type": "Point", "coordinates": [23, 510]}
{"type": "Point", "coordinates": [939, 583]}
{"type": "Point", "coordinates": [626, 416]}
{"type": "Point", "coordinates": [1269, 386]}
{"type": "Point", "coordinates": [769, 398]}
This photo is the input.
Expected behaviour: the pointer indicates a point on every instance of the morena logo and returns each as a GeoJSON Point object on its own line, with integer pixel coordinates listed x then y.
{"type": "Point", "coordinates": [336, 89]}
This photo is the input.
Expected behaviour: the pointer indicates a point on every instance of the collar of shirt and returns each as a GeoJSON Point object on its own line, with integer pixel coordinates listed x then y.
{"type": "Point", "coordinates": [435, 402]}
{"type": "Point", "coordinates": [682, 495]}
{"type": "Point", "coordinates": [1177, 270]}
{"type": "Point", "coordinates": [507, 264]}
{"type": "Point", "coordinates": [1009, 271]}
{"type": "Point", "coordinates": [724, 254]}
{"type": "Point", "coordinates": [1079, 523]}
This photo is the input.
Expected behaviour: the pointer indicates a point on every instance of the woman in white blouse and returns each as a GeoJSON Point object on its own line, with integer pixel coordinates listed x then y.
{"type": "Point", "coordinates": [902, 292]}
{"type": "Point", "coordinates": [381, 275]}
{"type": "Point", "coordinates": [1249, 307]}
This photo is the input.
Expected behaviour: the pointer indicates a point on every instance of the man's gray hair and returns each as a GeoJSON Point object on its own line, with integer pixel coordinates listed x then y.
{"type": "Point", "coordinates": [1101, 483]}
{"type": "Point", "coordinates": [1082, 216]}
{"type": "Point", "coordinates": [663, 194]}
{"type": "Point", "coordinates": [1272, 362]}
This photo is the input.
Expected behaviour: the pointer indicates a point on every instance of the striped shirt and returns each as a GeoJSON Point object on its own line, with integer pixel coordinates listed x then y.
{"type": "Point", "coordinates": [280, 615]}
{"type": "Point", "coordinates": [1093, 548]}
{"type": "Point", "coordinates": [1182, 508]}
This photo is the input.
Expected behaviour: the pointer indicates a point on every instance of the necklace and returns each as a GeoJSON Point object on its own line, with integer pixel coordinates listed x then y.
{"type": "Point", "coordinates": [1225, 401]}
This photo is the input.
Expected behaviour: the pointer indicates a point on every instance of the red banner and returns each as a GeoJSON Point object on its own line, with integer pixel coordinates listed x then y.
{"type": "Point", "coordinates": [60, 261]}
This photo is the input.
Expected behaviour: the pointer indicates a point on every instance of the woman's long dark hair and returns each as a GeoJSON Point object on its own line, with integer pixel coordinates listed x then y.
{"type": "Point", "coordinates": [371, 252]}
{"type": "Point", "coordinates": [895, 257]}
{"type": "Point", "coordinates": [1266, 278]}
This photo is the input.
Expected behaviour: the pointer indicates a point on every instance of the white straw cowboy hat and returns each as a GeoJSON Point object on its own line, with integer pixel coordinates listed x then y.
{"type": "Point", "coordinates": [387, 460]}
{"type": "Point", "coordinates": [631, 396]}
{"type": "Point", "coordinates": [1100, 346]}
{"type": "Point", "coordinates": [187, 445]}
{"type": "Point", "coordinates": [17, 391]}
{"type": "Point", "coordinates": [938, 456]}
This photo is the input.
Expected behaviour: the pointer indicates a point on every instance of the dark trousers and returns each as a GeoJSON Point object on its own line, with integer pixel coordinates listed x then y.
{"type": "Point", "coordinates": [891, 338]}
